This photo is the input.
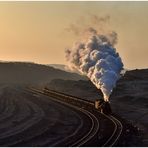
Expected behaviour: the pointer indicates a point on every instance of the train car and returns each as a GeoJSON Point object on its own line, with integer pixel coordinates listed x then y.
{"type": "Point", "coordinates": [99, 104]}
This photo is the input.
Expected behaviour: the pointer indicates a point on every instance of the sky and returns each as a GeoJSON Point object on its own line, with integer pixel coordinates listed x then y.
{"type": "Point", "coordinates": [37, 31]}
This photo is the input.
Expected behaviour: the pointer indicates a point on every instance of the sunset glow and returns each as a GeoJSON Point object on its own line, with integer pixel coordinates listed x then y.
{"type": "Point", "coordinates": [36, 31]}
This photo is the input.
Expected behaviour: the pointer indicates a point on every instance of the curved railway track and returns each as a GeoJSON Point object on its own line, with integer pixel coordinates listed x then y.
{"type": "Point", "coordinates": [25, 118]}
{"type": "Point", "coordinates": [116, 133]}
{"type": "Point", "coordinates": [85, 138]}
{"type": "Point", "coordinates": [94, 129]}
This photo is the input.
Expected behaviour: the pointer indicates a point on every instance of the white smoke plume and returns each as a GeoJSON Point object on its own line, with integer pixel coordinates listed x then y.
{"type": "Point", "coordinates": [97, 58]}
{"type": "Point", "coordinates": [83, 24]}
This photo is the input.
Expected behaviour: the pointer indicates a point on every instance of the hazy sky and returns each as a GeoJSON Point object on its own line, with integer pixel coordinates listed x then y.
{"type": "Point", "coordinates": [36, 31]}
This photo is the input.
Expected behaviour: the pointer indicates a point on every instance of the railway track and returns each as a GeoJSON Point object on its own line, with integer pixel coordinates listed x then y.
{"type": "Point", "coordinates": [91, 133]}
{"type": "Point", "coordinates": [88, 110]}
{"type": "Point", "coordinates": [116, 134]}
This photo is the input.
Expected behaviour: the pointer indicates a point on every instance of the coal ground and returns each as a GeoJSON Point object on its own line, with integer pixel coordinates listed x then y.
{"type": "Point", "coordinates": [27, 119]}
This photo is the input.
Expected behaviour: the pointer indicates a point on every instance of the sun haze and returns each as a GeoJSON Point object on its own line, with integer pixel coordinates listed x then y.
{"type": "Point", "coordinates": [38, 31]}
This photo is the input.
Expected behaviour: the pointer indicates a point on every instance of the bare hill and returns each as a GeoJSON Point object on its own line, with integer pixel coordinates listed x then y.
{"type": "Point", "coordinates": [58, 66]}
{"type": "Point", "coordinates": [80, 88]}
{"type": "Point", "coordinates": [130, 99]}
{"type": "Point", "coordinates": [20, 72]}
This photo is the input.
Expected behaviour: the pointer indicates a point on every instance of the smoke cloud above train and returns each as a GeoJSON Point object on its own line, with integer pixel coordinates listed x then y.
{"type": "Point", "coordinates": [96, 57]}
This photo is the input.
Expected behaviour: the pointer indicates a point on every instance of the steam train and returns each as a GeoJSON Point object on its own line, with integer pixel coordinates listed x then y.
{"type": "Point", "coordinates": [101, 105]}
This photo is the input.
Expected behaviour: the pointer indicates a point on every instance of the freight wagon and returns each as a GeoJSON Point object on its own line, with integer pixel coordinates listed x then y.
{"type": "Point", "coordinates": [101, 105]}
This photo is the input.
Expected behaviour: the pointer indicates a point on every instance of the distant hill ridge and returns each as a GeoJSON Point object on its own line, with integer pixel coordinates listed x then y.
{"type": "Point", "coordinates": [58, 66]}
{"type": "Point", "coordinates": [25, 72]}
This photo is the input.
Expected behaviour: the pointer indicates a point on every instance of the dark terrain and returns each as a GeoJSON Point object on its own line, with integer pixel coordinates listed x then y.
{"type": "Point", "coordinates": [21, 112]}
{"type": "Point", "coordinates": [129, 99]}
{"type": "Point", "coordinates": [28, 119]}
{"type": "Point", "coordinates": [31, 73]}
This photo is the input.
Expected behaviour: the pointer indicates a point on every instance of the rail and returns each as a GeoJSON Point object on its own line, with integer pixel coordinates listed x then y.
{"type": "Point", "coordinates": [86, 105]}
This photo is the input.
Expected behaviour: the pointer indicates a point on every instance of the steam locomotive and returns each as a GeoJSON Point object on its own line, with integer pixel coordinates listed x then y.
{"type": "Point", "coordinates": [103, 106]}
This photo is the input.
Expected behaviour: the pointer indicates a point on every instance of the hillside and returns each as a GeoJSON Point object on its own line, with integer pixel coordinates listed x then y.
{"type": "Point", "coordinates": [81, 88]}
{"type": "Point", "coordinates": [20, 72]}
{"type": "Point", "coordinates": [58, 66]}
{"type": "Point", "coordinates": [129, 99]}
{"type": "Point", "coordinates": [63, 67]}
